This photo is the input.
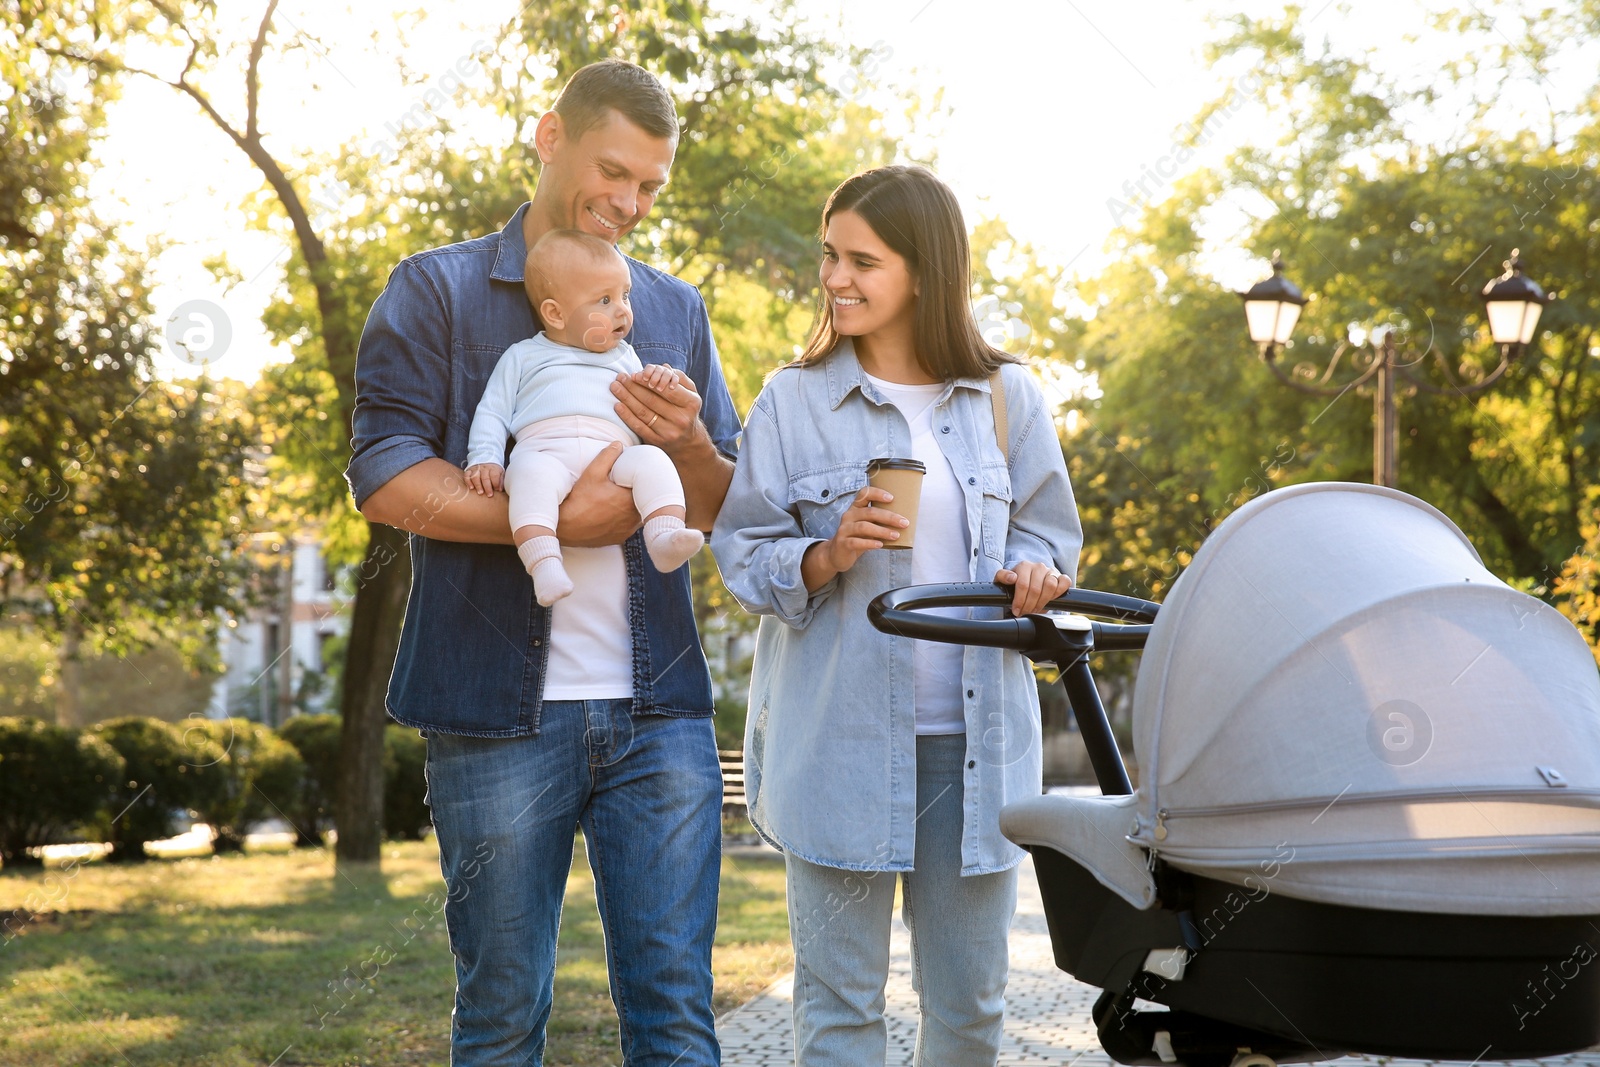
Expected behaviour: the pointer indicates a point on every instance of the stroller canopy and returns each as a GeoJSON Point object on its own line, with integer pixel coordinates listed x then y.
{"type": "Point", "coordinates": [1339, 702]}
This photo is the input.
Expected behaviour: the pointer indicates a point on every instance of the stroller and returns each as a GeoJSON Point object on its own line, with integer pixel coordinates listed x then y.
{"type": "Point", "coordinates": [1368, 817]}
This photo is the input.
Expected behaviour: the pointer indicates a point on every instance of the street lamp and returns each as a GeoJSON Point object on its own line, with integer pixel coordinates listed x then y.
{"type": "Point", "coordinates": [1512, 303]}
{"type": "Point", "coordinates": [1272, 307]}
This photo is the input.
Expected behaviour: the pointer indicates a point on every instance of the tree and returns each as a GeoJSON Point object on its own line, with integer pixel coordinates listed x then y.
{"type": "Point", "coordinates": [1390, 232]}
{"type": "Point", "coordinates": [1577, 588]}
{"type": "Point", "coordinates": [120, 494]}
{"type": "Point", "coordinates": [188, 35]}
{"type": "Point", "coordinates": [765, 141]}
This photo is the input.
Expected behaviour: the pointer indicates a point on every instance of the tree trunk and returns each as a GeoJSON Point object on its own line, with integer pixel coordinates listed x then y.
{"type": "Point", "coordinates": [127, 852]}
{"type": "Point", "coordinates": [226, 839]}
{"type": "Point", "coordinates": [1525, 555]}
{"type": "Point", "coordinates": [382, 586]}
{"type": "Point", "coordinates": [69, 679]}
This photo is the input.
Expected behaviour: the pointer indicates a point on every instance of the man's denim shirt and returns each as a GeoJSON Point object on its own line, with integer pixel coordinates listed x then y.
{"type": "Point", "coordinates": [830, 744]}
{"type": "Point", "coordinates": [474, 645]}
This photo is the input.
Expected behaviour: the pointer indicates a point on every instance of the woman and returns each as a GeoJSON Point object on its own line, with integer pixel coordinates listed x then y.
{"type": "Point", "coordinates": [869, 755]}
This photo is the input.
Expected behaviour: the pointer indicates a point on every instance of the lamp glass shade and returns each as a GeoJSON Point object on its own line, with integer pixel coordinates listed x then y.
{"type": "Point", "coordinates": [1270, 321]}
{"type": "Point", "coordinates": [1513, 322]}
{"type": "Point", "coordinates": [1288, 315]}
{"type": "Point", "coordinates": [1530, 320]}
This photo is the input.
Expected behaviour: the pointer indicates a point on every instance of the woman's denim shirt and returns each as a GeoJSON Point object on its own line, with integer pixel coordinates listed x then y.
{"type": "Point", "coordinates": [830, 744]}
{"type": "Point", "coordinates": [475, 642]}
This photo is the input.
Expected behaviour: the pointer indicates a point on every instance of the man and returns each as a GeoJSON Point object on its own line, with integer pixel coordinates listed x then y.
{"type": "Point", "coordinates": [594, 712]}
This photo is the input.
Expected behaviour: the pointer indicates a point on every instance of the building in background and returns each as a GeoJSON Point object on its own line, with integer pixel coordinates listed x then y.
{"type": "Point", "coordinates": [281, 657]}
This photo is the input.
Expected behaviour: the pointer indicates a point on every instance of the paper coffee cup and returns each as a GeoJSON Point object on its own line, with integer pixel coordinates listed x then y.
{"type": "Point", "coordinates": [902, 479]}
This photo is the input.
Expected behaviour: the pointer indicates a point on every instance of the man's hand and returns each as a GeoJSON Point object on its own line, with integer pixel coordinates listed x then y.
{"type": "Point", "coordinates": [598, 511]}
{"type": "Point", "coordinates": [486, 479]}
{"type": "Point", "coordinates": [1037, 584]}
{"type": "Point", "coordinates": [668, 418]}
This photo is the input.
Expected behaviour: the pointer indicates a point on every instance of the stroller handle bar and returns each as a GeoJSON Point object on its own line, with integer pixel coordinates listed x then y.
{"type": "Point", "coordinates": [900, 612]}
{"type": "Point", "coordinates": [1065, 641]}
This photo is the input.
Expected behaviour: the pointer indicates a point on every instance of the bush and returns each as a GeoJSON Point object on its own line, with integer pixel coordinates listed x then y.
{"type": "Point", "coordinates": [51, 780]}
{"type": "Point", "coordinates": [405, 812]}
{"type": "Point", "coordinates": [158, 779]}
{"type": "Point", "coordinates": [280, 781]}
{"type": "Point", "coordinates": [316, 738]}
{"type": "Point", "coordinates": [257, 771]}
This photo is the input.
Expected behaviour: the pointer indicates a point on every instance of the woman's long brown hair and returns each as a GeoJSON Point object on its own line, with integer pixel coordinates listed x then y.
{"type": "Point", "coordinates": [916, 214]}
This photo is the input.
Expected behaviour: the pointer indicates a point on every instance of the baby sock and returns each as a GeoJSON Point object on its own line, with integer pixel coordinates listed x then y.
{"type": "Point", "coordinates": [542, 557]}
{"type": "Point", "coordinates": [670, 543]}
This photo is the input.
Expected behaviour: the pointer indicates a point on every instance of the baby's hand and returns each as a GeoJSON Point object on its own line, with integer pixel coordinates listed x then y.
{"type": "Point", "coordinates": [659, 377]}
{"type": "Point", "coordinates": [485, 479]}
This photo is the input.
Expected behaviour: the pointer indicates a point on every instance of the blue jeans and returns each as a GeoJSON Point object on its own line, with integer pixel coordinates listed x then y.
{"type": "Point", "coordinates": [647, 791]}
{"type": "Point", "coordinates": [840, 921]}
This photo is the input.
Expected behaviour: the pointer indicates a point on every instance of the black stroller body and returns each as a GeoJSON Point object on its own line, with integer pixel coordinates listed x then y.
{"type": "Point", "coordinates": [1369, 811]}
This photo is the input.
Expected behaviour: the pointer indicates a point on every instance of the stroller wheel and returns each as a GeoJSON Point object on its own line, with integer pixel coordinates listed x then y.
{"type": "Point", "coordinates": [1152, 1037]}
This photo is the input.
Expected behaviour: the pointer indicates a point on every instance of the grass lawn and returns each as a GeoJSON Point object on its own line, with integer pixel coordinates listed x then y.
{"type": "Point", "coordinates": [276, 958]}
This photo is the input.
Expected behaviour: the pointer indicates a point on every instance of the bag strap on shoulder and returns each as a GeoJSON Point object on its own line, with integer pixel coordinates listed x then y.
{"type": "Point", "coordinates": [997, 397]}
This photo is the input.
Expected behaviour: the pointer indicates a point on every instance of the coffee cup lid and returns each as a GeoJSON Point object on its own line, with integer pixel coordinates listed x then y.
{"type": "Point", "coordinates": [890, 464]}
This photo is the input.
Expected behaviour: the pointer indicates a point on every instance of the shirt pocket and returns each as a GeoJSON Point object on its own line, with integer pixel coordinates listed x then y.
{"type": "Point", "coordinates": [821, 497]}
{"type": "Point", "coordinates": [996, 510]}
{"type": "Point", "coordinates": [471, 366]}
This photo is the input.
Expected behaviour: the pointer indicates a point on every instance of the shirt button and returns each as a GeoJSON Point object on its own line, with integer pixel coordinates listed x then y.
{"type": "Point", "coordinates": [537, 642]}
{"type": "Point", "coordinates": [972, 481]}
{"type": "Point", "coordinates": [974, 553]}
{"type": "Point", "coordinates": [944, 429]}
{"type": "Point", "coordinates": [971, 763]}
{"type": "Point", "coordinates": [969, 692]}
{"type": "Point", "coordinates": [825, 494]}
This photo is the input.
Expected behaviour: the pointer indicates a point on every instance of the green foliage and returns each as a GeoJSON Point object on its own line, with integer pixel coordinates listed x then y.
{"type": "Point", "coordinates": [316, 738]}
{"type": "Point", "coordinates": [769, 117]}
{"type": "Point", "coordinates": [253, 774]}
{"type": "Point", "coordinates": [1577, 588]}
{"type": "Point", "coordinates": [280, 780]}
{"type": "Point", "coordinates": [52, 779]}
{"type": "Point", "coordinates": [405, 753]}
{"type": "Point", "coordinates": [119, 495]}
{"type": "Point", "coordinates": [1389, 232]}
{"type": "Point", "coordinates": [771, 126]}
{"type": "Point", "coordinates": [157, 781]}
{"type": "Point", "coordinates": [27, 661]}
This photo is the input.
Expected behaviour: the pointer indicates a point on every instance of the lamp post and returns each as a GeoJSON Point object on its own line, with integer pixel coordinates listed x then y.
{"type": "Point", "coordinates": [1512, 302]}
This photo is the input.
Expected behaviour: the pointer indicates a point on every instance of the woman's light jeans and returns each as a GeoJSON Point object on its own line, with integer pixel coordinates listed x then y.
{"type": "Point", "coordinates": [840, 921]}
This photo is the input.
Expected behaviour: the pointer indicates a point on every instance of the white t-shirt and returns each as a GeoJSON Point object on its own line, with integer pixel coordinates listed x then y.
{"type": "Point", "coordinates": [941, 555]}
{"type": "Point", "coordinates": [591, 645]}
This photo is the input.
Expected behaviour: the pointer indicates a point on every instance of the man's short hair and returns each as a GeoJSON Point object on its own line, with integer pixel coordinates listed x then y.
{"type": "Point", "coordinates": [542, 270]}
{"type": "Point", "coordinates": [610, 85]}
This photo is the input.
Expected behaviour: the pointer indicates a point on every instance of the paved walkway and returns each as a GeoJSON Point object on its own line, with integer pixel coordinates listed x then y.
{"type": "Point", "coordinates": [1047, 1012]}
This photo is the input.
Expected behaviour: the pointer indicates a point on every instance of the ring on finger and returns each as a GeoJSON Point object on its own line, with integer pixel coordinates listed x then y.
{"type": "Point", "coordinates": [653, 419]}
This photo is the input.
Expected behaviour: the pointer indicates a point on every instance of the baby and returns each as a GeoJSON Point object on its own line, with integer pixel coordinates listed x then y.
{"type": "Point", "coordinates": [553, 393]}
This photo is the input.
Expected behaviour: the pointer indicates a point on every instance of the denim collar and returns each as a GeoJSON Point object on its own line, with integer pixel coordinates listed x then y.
{"type": "Point", "coordinates": [845, 374]}
{"type": "Point", "coordinates": [510, 261]}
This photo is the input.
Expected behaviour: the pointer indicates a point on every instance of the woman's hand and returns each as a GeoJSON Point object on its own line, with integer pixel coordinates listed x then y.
{"type": "Point", "coordinates": [862, 528]}
{"type": "Point", "coordinates": [1037, 584]}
